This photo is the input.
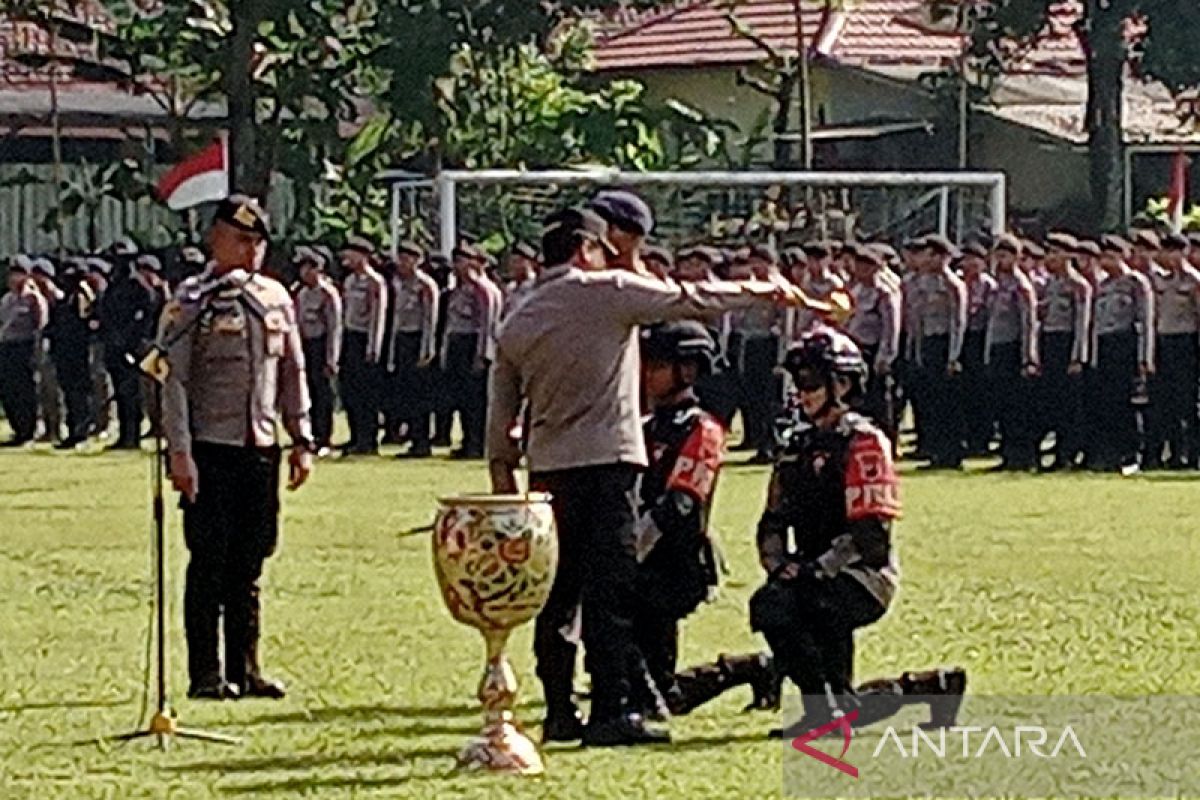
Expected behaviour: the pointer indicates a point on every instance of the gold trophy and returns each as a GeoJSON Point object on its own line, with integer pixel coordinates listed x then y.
{"type": "Point", "coordinates": [495, 558]}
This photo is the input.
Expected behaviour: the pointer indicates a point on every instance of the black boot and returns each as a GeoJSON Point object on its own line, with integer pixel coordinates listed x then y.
{"type": "Point", "coordinates": [944, 690]}
{"type": "Point", "coordinates": [697, 685]}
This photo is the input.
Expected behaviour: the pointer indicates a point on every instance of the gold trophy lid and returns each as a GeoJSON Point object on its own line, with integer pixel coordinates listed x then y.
{"type": "Point", "coordinates": [528, 498]}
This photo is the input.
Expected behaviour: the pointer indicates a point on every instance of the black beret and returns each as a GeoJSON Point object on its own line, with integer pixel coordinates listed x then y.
{"type": "Point", "coordinates": [360, 244]}
{"type": "Point", "coordinates": [657, 253]}
{"type": "Point", "coordinates": [1032, 248]}
{"type": "Point", "coordinates": [940, 244]}
{"type": "Point", "coordinates": [816, 249]}
{"type": "Point", "coordinates": [570, 220]}
{"type": "Point", "coordinates": [525, 250]}
{"type": "Point", "coordinates": [411, 248]}
{"type": "Point", "coordinates": [1144, 237]}
{"type": "Point", "coordinates": [975, 249]}
{"type": "Point", "coordinates": [307, 255]}
{"type": "Point", "coordinates": [1062, 241]}
{"type": "Point", "coordinates": [1175, 241]}
{"type": "Point", "coordinates": [764, 252]}
{"type": "Point", "coordinates": [1006, 241]}
{"type": "Point", "coordinates": [244, 213]}
{"type": "Point", "coordinates": [1111, 243]}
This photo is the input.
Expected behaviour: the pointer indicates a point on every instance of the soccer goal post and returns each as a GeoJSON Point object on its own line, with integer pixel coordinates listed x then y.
{"type": "Point", "coordinates": [506, 205]}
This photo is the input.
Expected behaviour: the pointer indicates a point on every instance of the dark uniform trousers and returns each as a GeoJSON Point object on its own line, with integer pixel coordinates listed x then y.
{"type": "Point", "coordinates": [1173, 392]}
{"type": "Point", "coordinates": [75, 378]}
{"type": "Point", "coordinates": [127, 386]}
{"type": "Point", "coordinates": [759, 389]}
{"type": "Point", "coordinates": [940, 402]}
{"type": "Point", "coordinates": [230, 530]}
{"type": "Point", "coordinates": [1013, 398]}
{"type": "Point", "coordinates": [878, 400]}
{"type": "Point", "coordinates": [320, 389]}
{"type": "Point", "coordinates": [809, 623]}
{"type": "Point", "coordinates": [1060, 398]}
{"type": "Point", "coordinates": [1114, 431]}
{"type": "Point", "coordinates": [360, 391]}
{"type": "Point", "coordinates": [410, 389]}
{"type": "Point", "coordinates": [978, 405]}
{"type": "Point", "coordinates": [597, 566]}
{"type": "Point", "coordinates": [18, 387]}
{"type": "Point", "coordinates": [466, 389]}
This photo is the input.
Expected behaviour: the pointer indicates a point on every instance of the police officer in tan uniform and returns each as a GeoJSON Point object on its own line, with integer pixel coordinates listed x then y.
{"type": "Point", "coordinates": [364, 310]}
{"type": "Point", "coordinates": [233, 364]}
{"type": "Point", "coordinates": [413, 347]}
{"type": "Point", "coordinates": [319, 314]}
{"type": "Point", "coordinates": [1173, 389]}
{"type": "Point", "coordinates": [23, 315]}
{"type": "Point", "coordinates": [571, 351]}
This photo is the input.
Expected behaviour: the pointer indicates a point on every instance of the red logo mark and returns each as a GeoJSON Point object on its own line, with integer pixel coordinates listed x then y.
{"type": "Point", "coordinates": [801, 743]}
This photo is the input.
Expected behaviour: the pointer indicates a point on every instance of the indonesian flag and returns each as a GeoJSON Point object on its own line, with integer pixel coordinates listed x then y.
{"type": "Point", "coordinates": [200, 179]}
{"type": "Point", "coordinates": [1177, 196]}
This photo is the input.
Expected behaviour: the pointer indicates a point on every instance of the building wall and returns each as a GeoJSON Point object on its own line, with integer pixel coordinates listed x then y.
{"type": "Point", "coordinates": [1043, 174]}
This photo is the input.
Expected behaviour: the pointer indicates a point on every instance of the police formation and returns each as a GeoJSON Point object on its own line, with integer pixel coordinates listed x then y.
{"type": "Point", "coordinates": [1063, 354]}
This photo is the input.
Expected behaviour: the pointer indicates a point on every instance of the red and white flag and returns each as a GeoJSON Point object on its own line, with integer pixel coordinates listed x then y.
{"type": "Point", "coordinates": [203, 178]}
{"type": "Point", "coordinates": [1177, 196]}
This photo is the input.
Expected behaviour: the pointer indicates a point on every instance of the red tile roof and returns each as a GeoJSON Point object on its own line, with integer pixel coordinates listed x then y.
{"type": "Point", "coordinates": [867, 33]}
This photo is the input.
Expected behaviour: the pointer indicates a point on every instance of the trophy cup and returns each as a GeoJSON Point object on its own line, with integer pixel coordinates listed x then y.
{"type": "Point", "coordinates": [495, 558]}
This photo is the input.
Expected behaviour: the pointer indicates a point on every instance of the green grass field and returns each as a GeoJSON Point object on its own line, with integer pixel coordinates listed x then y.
{"type": "Point", "coordinates": [1059, 584]}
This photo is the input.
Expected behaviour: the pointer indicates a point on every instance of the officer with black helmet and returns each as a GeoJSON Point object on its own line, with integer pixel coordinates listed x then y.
{"type": "Point", "coordinates": [684, 444]}
{"type": "Point", "coordinates": [835, 493]}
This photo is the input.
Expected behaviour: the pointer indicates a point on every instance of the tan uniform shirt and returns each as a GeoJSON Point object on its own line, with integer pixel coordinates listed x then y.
{"type": "Point", "coordinates": [571, 350]}
{"type": "Point", "coordinates": [319, 314]}
{"type": "Point", "coordinates": [416, 311]}
{"type": "Point", "coordinates": [364, 306]}
{"type": "Point", "coordinates": [23, 315]}
{"type": "Point", "coordinates": [235, 363]}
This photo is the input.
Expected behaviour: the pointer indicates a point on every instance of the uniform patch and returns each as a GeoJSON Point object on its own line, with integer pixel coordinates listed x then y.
{"type": "Point", "coordinates": [872, 489]}
{"type": "Point", "coordinates": [699, 460]}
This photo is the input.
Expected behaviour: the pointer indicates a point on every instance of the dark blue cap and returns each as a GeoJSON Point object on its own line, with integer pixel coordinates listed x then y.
{"type": "Point", "coordinates": [624, 210]}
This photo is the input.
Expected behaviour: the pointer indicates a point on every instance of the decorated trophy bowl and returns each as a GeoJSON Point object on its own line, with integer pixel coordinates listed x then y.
{"type": "Point", "coordinates": [495, 558]}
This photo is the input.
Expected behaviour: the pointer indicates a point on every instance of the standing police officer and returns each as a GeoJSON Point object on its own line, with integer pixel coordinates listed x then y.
{"type": "Point", "coordinates": [1173, 390]}
{"type": "Point", "coordinates": [875, 328]}
{"type": "Point", "coordinates": [1065, 313]}
{"type": "Point", "coordinates": [129, 313]}
{"type": "Point", "coordinates": [1122, 356]}
{"type": "Point", "coordinates": [936, 314]}
{"type": "Point", "coordinates": [571, 350]}
{"type": "Point", "coordinates": [472, 311]}
{"type": "Point", "coordinates": [364, 308]}
{"type": "Point", "coordinates": [319, 315]}
{"type": "Point", "coordinates": [413, 347]}
{"type": "Point", "coordinates": [1011, 355]}
{"type": "Point", "coordinates": [234, 363]}
{"type": "Point", "coordinates": [23, 315]}
{"type": "Point", "coordinates": [70, 336]}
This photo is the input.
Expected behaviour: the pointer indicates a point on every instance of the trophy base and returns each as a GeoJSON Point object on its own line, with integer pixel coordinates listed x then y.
{"type": "Point", "coordinates": [501, 747]}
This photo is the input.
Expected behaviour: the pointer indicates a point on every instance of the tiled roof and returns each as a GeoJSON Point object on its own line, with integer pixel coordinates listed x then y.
{"type": "Point", "coordinates": [862, 33]}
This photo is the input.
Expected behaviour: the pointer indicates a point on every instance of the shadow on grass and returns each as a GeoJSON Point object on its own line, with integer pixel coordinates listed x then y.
{"type": "Point", "coordinates": [377, 712]}
{"type": "Point", "coordinates": [288, 763]}
{"type": "Point", "coordinates": [305, 786]}
{"type": "Point", "coordinates": [59, 705]}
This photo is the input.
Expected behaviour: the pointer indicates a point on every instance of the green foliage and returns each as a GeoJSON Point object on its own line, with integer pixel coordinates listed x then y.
{"type": "Point", "coordinates": [1158, 210]}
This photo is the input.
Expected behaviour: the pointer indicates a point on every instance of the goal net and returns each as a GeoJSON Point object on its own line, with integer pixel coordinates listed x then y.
{"type": "Point", "coordinates": [499, 207]}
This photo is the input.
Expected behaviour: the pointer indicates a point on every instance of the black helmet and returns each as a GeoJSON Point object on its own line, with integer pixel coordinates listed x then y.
{"type": "Point", "coordinates": [829, 352]}
{"type": "Point", "coordinates": [679, 342]}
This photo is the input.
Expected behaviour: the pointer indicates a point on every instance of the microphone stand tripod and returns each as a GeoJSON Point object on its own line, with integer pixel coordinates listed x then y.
{"type": "Point", "coordinates": [164, 724]}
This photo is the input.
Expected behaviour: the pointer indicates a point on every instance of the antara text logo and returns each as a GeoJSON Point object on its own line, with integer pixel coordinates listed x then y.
{"type": "Point", "coordinates": [963, 742]}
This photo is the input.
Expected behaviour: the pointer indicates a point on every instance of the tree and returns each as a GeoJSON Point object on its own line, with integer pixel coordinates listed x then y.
{"type": "Point", "coordinates": [1153, 39]}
